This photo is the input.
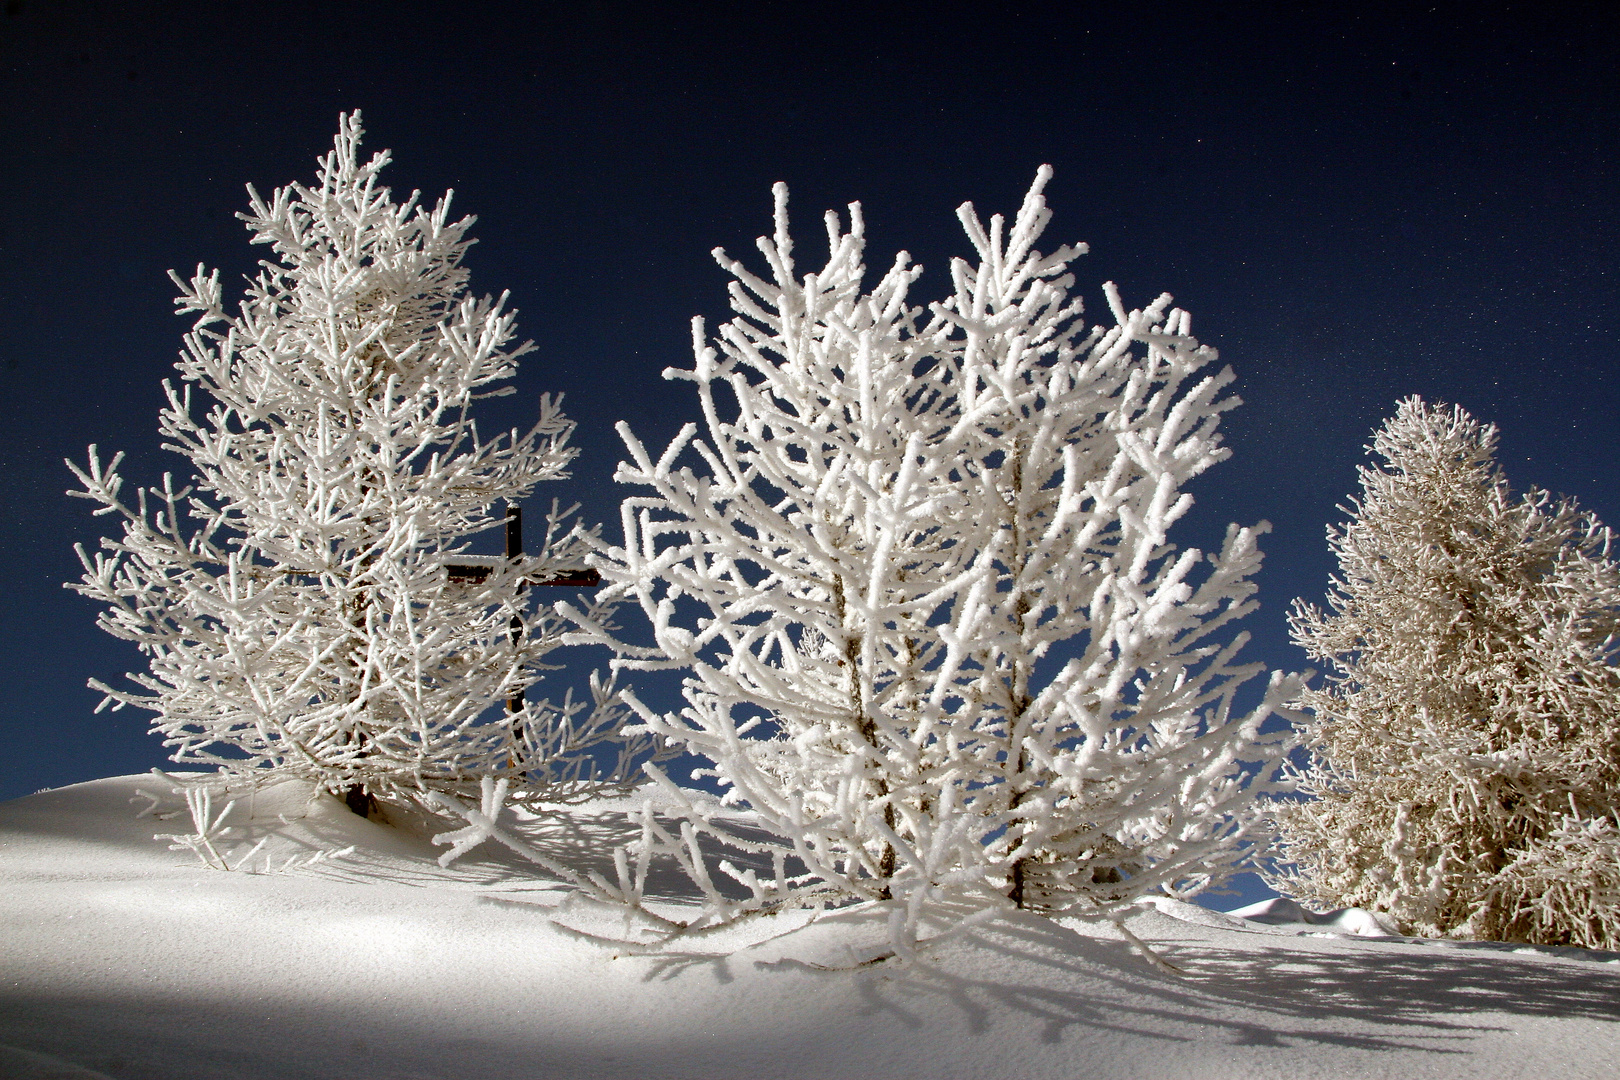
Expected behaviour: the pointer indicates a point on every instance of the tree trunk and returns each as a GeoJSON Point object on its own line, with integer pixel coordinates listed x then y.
{"type": "Point", "coordinates": [360, 801]}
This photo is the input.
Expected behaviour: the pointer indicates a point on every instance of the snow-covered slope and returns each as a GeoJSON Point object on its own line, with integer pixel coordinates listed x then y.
{"type": "Point", "coordinates": [122, 958]}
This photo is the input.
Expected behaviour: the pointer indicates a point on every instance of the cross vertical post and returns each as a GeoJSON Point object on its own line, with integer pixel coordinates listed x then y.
{"type": "Point", "coordinates": [514, 548]}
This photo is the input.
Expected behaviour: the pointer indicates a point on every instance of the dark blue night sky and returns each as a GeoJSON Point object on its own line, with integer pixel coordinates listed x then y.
{"type": "Point", "coordinates": [1356, 204]}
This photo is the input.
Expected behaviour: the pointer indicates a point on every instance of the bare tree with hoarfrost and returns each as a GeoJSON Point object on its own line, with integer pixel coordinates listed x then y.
{"type": "Point", "coordinates": [939, 644]}
{"type": "Point", "coordinates": [1466, 750]}
{"type": "Point", "coordinates": [296, 599]}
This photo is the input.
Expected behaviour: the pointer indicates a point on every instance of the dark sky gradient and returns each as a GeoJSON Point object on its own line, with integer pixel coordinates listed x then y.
{"type": "Point", "coordinates": [1355, 205]}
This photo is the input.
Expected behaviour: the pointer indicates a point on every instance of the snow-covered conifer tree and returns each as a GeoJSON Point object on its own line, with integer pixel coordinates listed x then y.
{"type": "Point", "coordinates": [1466, 750]}
{"type": "Point", "coordinates": [297, 598]}
{"type": "Point", "coordinates": [1114, 768]}
{"type": "Point", "coordinates": [939, 643]}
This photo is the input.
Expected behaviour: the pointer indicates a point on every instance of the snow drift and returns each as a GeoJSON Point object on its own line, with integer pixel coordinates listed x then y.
{"type": "Point", "coordinates": [126, 959]}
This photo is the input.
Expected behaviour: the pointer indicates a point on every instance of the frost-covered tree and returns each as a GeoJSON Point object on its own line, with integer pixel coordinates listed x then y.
{"type": "Point", "coordinates": [939, 644]}
{"type": "Point", "coordinates": [296, 599]}
{"type": "Point", "coordinates": [1466, 750]}
{"type": "Point", "coordinates": [1114, 769]}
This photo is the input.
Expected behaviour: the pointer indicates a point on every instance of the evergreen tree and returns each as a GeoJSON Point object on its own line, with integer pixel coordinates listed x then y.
{"type": "Point", "coordinates": [938, 642]}
{"type": "Point", "coordinates": [1466, 766]}
{"type": "Point", "coordinates": [320, 616]}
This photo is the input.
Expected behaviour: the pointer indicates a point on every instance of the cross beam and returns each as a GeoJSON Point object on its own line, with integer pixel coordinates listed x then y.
{"type": "Point", "coordinates": [469, 574]}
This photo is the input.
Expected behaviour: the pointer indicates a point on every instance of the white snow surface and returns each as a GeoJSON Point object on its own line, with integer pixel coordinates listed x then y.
{"type": "Point", "coordinates": [121, 958]}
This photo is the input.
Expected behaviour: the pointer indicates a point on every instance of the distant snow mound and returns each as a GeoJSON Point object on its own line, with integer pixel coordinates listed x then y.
{"type": "Point", "coordinates": [1281, 911]}
{"type": "Point", "coordinates": [1192, 913]}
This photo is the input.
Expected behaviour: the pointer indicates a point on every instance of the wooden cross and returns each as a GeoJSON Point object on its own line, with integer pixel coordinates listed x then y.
{"type": "Point", "coordinates": [467, 573]}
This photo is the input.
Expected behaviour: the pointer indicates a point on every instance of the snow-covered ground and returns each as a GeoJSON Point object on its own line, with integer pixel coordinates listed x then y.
{"type": "Point", "coordinates": [122, 958]}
